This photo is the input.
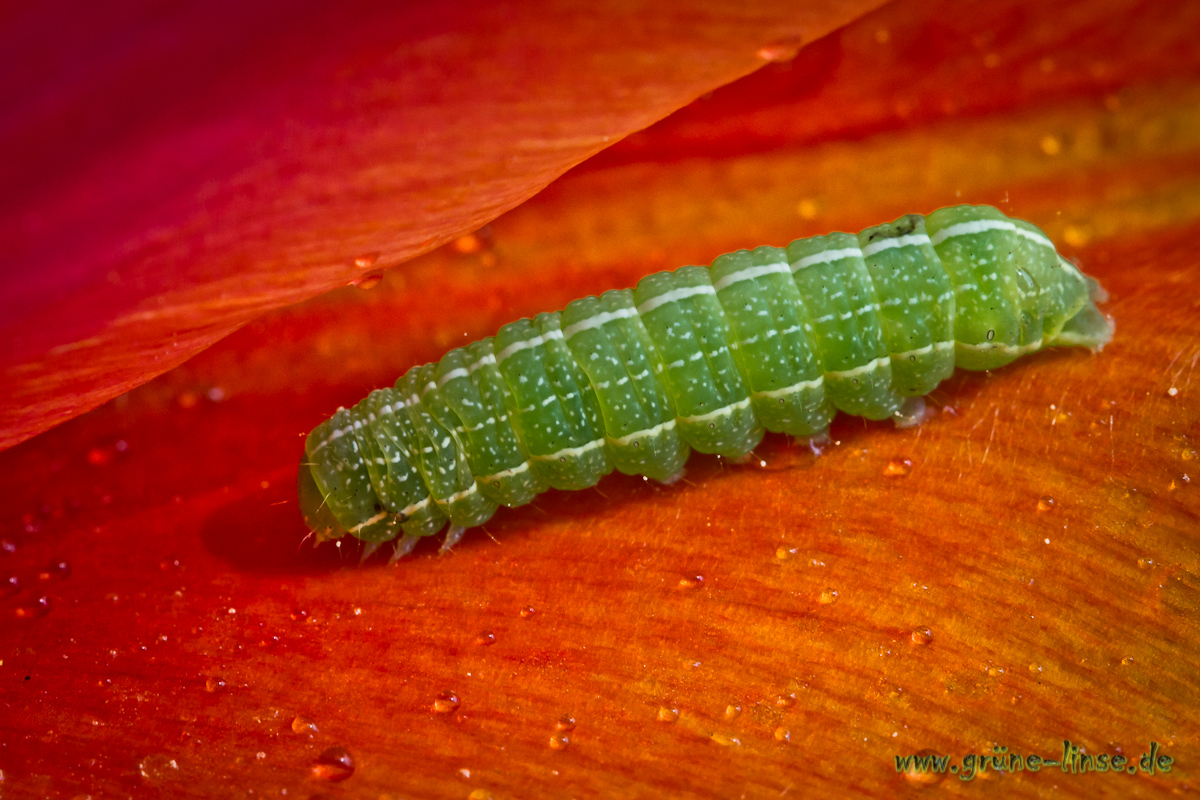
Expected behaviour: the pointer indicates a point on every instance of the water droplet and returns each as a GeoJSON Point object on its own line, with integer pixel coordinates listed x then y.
{"type": "Point", "coordinates": [33, 610]}
{"type": "Point", "coordinates": [724, 740]}
{"type": "Point", "coordinates": [302, 724]}
{"type": "Point", "coordinates": [216, 394]}
{"type": "Point", "coordinates": [559, 741]}
{"type": "Point", "coordinates": [365, 260]}
{"type": "Point", "coordinates": [922, 635]}
{"type": "Point", "coordinates": [691, 582]}
{"type": "Point", "coordinates": [784, 553]}
{"type": "Point", "coordinates": [158, 767]}
{"type": "Point", "coordinates": [1145, 563]}
{"type": "Point", "coordinates": [1126, 661]}
{"type": "Point", "coordinates": [782, 50]}
{"type": "Point", "coordinates": [732, 710]}
{"type": "Point", "coordinates": [527, 612]}
{"type": "Point", "coordinates": [565, 723]}
{"type": "Point", "coordinates": [445, 703]}
{"type": "Point", "coordinates": [897, 468]}
{"type": "Point", "coordinates": [785, 700]}
{"type": "Point", "coordinates": [479, 794]}
{"type": "Point", "coordinates": [828, 596]}
{"type": "Point", "coordinates": [214, 684]}
{"type": "Point", "coordinates": [334, 764]}
{"type": "Point", "coordinates": [1035, 668]}
{"type": "Point", "coordinates": [1172, 391]}
{"type": "Point", "coordinates": [667, 714]}
{"type": "Point", "coordinates": [8, 546]}
{"type": "Point", "coordinates": [782, 734]}
{"type": "Point", "coordinates": [368, 281]}
{"type": "Point", "coordinates": [1046, 503]}
{"type": "Point", "coordinates": [10, 586]}
{"type": "Point", "coordinates": [485, 638]}
{"type": "Point", "coordinates": [1187, 454]}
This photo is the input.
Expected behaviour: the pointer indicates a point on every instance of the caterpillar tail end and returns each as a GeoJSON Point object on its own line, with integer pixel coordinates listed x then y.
{"type": "Point", "coordinates": [317, 515]}
{"type": "Point", "coordinates": [1090, 327]}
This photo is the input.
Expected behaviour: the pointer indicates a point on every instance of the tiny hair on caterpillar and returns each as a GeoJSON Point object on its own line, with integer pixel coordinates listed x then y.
{"type": "Point", "coordinates": [699, 358]}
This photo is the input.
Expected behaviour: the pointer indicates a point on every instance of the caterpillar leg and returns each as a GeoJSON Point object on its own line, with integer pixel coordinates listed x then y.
{"type": "Point", "coordinates": [369, 549]}
{"type": "Point", "coordinates": [453, 536]}
{"type": "Point", "coordinates": [816, 442]}
{"type": "Point", "coordinates": [404, 546]}
{"type": "Point", "coordinates": [911, 414]}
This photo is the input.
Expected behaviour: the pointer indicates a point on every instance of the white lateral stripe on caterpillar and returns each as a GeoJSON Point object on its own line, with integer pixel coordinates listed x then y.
{"type": "Point", "coordinates": [750, 273]}
{"type": "Point", "coordinates": [1007, 349]}
{"type": "Point", "coordinates": [911, 240]}
{"type": "Point", "coordinates": [865, 368]}
{"type": "Point", "coordinates": [451, 375]}
{"type": "Point", "coordinates": [525, 344]}
{"type": "Point", "coordinates": [826, 257]}
{"type": "Point", "coordinates": [921, 351]}
{"type": "Point", "coordinates": [657, 429]}
{"type": "Point", "coordinates": [481, 363]}
{"type": "Point", "coordinates": [674, 296]}
{"type": "Point", "coordinates": [720, 412]}
{"type": "Point", "coordinates": [603, 318]}
{"type": "Point", "coordinates": [506, 473]}
{"type": "Point", "coordinates": [983, 225]}
{"type": "Point", "coordinates": [775, 394]}
{"type": "Point", "coordinates": [382, 515]}
{"type": "Point", "coordinates": [570, 452]}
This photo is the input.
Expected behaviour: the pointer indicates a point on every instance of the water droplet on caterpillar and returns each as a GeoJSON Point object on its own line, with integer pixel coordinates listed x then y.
{"type": "Point", "coordinates": [828, 596]}
{"type": "Point", "coordinates": [897, 468]}
{"type": "Point", "coordinates": [1045, 503]}
{"type": "Point", "coordinates": [922, 635]}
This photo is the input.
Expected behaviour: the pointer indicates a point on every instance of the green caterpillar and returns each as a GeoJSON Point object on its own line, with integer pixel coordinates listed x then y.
{"type": "Point", "coordinates": [698, 358]}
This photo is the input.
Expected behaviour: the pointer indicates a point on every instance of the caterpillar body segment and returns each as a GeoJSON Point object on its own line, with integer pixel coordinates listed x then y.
{"type": "Point", "coordinates": [708, 359]}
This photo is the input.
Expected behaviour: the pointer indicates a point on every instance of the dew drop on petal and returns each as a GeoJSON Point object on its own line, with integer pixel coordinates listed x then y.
{"type": "Point", "coordinates": [303, 724]}
{"type": "Point", "coordinates": [158, 767]}
{"type": "Point", "coordinates": [333, 764]}
{"type": "Point", "coordinates": [446, 702]}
